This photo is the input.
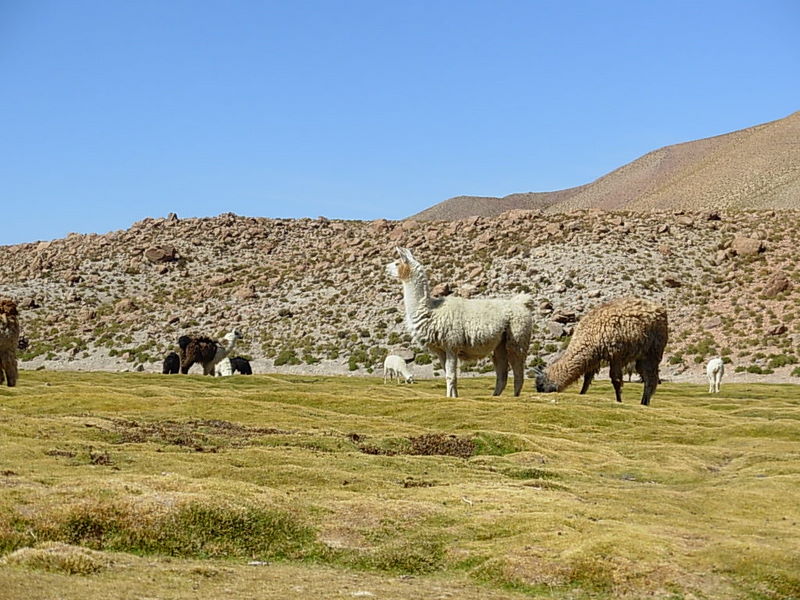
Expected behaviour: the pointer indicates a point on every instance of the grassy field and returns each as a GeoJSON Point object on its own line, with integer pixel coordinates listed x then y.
{"type": "Point", "coordinates": [151, 486]}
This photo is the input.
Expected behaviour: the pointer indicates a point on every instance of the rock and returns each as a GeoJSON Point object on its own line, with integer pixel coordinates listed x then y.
{"type": "Point", "coordinates": [552, 228]}
{"type": "Point", "coordinates": [555, 330]}
{"type": "Point", "coordinates": [246, 292]}
{"type": "Point", "coordinates": [672, 282]}
{"type": "Point", "coordinates": [712, 323]}
{"type": "Point", "coordinates": [778, 283]}
{"type": "Point", "coordinates": [468, 290]}
{"type": "Point", "coordinates": [779, 329]}
{"type": "Point", "coordinates": [442, 289]}
{"type": "Point", "coordinates": [125, 305]}
{"type": "Point", "coordinates": [747, 246]}
{"type": "Point", "coordinates": [564, 316]}
{"type": "Point", "coordinates": [159, 254]}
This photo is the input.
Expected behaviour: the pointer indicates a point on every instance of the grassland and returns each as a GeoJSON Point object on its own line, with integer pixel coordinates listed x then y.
{"type": "Point", "coordinates": [148, 486]}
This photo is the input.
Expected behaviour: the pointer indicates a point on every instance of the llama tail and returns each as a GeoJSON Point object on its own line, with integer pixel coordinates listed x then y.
{"type": "Point", "coordinates": [183, 341]}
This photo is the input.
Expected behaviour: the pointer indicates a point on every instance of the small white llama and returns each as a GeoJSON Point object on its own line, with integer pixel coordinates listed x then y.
{"type": "Point", "coordinates": [715, 370]}
{"type": "Point", "coordinates": [395, 366]}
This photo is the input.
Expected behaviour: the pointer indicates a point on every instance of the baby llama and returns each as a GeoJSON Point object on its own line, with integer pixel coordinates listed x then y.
{"type": "Point", "coordinates": [9, 340]}
{"type": "Point", "coordinates": [715, 370]}
{"type": "Point", "coordinates": [620, 331]}
{"type": "Point", "coordinates": [172, 364]}
{"type": "Point", "coordinates": [458, 328]}
{"type": "Point", "coordinates": [395, 366]}
{"type": "Point", "coordinates": [205, 351]}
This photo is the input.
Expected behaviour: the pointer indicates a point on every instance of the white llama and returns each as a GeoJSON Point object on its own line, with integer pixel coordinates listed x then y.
{"type": "Point", "coordinates": [715, 370]}
{"type": "Point", "coordinates": [458, 328]}
{"type": "Point", "coordinates": [223, 368]}
{"type": "Point", "coordinates": [395, 366]}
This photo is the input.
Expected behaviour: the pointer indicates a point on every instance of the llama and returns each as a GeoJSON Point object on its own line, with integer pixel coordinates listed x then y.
{"type": "Point", "coordinates": [172, 364]}
{"type": "Point", "coordinates": [223, 368]}
{"type": "Point", "coordinates": [395, 366]}
{"type": "Point", "coordinates": [228, 366]}
{"type": "Point", "coordinates": [242, 365]}
{"type": "Point", "coordinates": [623, 330]}
{"type": "Point", "coordinates": [9, 341]}
{"type": "Point", "coordinates": [205, 351]}
{"type": "Point", "coordinates": [715, 370]}
{"type": "Point", "coordinates": [456, 328]}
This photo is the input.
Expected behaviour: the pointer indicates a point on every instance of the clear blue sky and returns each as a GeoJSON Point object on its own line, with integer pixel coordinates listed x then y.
{"type": "Point", "coordinates": [112, 111]}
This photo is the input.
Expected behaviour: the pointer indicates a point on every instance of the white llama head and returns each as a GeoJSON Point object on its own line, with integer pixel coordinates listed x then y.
{"type": "Point", "coordinates": [408, 268]}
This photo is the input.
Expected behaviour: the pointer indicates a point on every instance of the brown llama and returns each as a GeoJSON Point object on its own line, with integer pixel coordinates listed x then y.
{"type": "Point", "coordinates": [204, 350]}
{"type": "Point", "coordinates": [621, 331]}
{"type": "Point", "coordinates": [9, 341]}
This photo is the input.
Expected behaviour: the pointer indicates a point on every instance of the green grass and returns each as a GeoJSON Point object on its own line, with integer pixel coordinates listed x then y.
{"type": "Point", "coordinates": [128, 485]}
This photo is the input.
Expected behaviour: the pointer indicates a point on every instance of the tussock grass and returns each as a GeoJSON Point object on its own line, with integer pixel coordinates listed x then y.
{"type": "Point", "coordinates": [695, 496]}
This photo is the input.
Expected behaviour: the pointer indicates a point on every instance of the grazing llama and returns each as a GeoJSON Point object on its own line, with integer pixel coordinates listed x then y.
{"type": "Point", "coordinates": [172, 364]}
{"type": "Point", "coordinates": [618, 332]}
{"type": "Point", "coordinates": [205, 351]}
{"type": "Point", "coordinates": [395, 366]}
{"type": "Point", "coordinates": [715, 370]}
{"type": "Point", "coordinates": [228, 366]}
{"type": "Point", "coordinates": [9, 341]}
{"type": "Point", "coordinates": [456, 328]}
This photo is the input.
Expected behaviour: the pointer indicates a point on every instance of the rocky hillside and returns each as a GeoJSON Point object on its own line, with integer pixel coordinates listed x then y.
{"type": "Point", "coordinates": [754, 168]}
{"type": "Point", "coordinates": [314, 293]}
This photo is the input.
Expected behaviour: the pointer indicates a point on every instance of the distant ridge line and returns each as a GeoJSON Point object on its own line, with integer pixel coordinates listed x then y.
{"type": "Point", "coordinates": [756, 168]}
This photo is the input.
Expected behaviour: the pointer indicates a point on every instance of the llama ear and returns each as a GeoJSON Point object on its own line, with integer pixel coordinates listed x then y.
{"type": "Point", "coordinates": [405, 254]}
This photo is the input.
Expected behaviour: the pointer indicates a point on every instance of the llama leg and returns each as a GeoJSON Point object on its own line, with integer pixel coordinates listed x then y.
{"type": "Point", "coordinates": [500, 360]}
{"type": "Point", "coordinates": [650, 378]}
{"type": "Point", "coordinates": [710, 383]}
{"type": "Point", "coordinates": [11, 372]}
{"type": "Point", "coordinates": [451, 374]}
{"type": "Point", "coordinates": [587, 381]}
{"type": "Point", "coordinates": [615, 372]}
{"type": "Point", "coordinates": [186, 366]}
{"type": "Point", "coordinates": [518, 366]}
{"type": "Point", "coordinates": [8, 363]}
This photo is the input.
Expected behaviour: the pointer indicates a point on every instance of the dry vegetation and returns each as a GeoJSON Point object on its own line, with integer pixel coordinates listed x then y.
{"type": "Point", "coordinates": [137, 485]}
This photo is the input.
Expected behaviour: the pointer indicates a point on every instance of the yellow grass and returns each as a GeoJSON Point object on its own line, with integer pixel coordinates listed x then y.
{"type": "Point", "coordinates": [137, 485]}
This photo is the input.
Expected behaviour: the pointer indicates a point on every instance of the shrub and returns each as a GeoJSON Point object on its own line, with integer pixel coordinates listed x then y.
{"type": "Point", "coordinates": [286, 357]}
{"type": "Point", "coordinates": [423, 359]}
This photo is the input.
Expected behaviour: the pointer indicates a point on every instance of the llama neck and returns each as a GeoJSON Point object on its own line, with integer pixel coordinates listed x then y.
{"type": "Point", "coordinates": [415, 297]}
{"type": "Point", "coordinates": [228, 346]}
{"type": "Point", "coordinates": [569, 368]}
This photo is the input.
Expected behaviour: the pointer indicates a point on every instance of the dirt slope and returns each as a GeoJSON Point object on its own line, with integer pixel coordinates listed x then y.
{"type": "Point", "coordinates": [753, 168]}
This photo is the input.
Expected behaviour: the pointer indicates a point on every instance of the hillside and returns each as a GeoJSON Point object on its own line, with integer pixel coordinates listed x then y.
{"type": "Point", "coordinates": [753, 168]}
{"type": "Point", "coordinates": [313, 296]}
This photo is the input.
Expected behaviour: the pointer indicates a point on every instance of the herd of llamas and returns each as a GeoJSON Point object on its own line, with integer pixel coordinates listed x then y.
{"type": "Point", "coordinates": [626, 334]}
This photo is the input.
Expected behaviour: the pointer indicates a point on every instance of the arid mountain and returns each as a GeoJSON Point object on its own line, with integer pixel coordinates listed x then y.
{"type": "Point", "coordinates": [754, 168]}
{"type": "Point", "coordinates": [314, 293]}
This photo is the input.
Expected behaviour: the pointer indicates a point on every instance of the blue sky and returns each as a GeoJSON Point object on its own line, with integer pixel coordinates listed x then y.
{"type": "Point", "coordinates": [113, 111]}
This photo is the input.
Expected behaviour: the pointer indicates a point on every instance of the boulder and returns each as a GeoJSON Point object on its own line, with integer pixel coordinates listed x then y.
{"type": "Point", "coordinates": [747, 246]}
{"type": "Point", "coordinates": [159, 254]}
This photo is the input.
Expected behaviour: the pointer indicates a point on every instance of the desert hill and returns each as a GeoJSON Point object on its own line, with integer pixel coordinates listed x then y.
{"type": "Point", "coordinates": [313, 295]}
{"type": "Point", "coordinates": [753, 168]}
